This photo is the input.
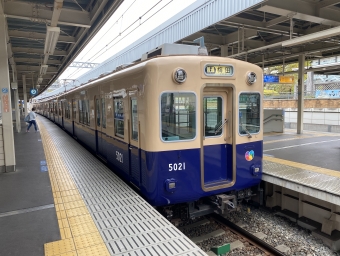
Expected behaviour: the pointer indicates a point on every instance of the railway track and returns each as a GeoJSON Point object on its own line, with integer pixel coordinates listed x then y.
{"type": "Point", "coordinates": [219, 235]}
{"type": "Point", "coordinates": [266, 248]}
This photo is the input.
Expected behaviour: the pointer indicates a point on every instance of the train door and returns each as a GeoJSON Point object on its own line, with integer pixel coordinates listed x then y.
{"type": "Point", "coordinates": [101, 126]}
{"type": "Point", "coordinates": [134, 145]}
{"type": "Point", "coordinates": [217, 153]}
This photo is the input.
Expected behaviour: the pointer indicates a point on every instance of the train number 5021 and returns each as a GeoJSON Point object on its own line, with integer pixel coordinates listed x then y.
{"type": "Point", "coordinates": [119, 157]}
{"type": "Point", "coordinates": [176, 167]}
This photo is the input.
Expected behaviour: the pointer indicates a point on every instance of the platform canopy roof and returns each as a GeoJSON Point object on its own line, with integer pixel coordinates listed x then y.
{"type": "Point", "coordinates": [277, 30]}
{"type": "Point", "coordinates": [45, 36]}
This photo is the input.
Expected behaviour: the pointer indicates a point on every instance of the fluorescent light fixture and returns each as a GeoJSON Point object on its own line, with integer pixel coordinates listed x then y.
{"type": "Point", "coordinates": [40, 79]}
{"type": "Point", "coordinates": [51, 39]}
{"type": "Point", "coordinates": [43, 69]}
{"type": "Point", "coordinates": [312, 37]}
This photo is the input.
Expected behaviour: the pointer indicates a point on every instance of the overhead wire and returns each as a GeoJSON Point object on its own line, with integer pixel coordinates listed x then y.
{"type": "Point", "coordinates": [121, 16]}
{"type": "Point", "coordinates": [99, 52]}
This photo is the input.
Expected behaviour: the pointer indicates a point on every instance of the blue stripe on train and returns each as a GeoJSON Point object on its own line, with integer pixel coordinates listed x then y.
{"type": "Point", "coordinates": [151, 170]}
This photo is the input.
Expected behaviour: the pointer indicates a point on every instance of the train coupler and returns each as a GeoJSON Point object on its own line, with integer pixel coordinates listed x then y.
{"type": "Point", "coordinates": [226, 203]}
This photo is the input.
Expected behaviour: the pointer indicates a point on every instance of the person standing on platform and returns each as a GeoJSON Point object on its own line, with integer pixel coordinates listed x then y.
{"type": "Point", "coordinates": [32, 117]}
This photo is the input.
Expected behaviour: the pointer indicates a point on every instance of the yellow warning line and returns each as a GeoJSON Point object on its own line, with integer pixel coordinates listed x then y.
{"type": "Point", "coordinates": [307, 167]}
{"type": "Point", "coordinates": [79, 234]}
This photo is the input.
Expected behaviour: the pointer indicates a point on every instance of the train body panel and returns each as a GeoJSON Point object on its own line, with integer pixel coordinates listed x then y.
{"type": "Point", "coordinates": [175, 141]}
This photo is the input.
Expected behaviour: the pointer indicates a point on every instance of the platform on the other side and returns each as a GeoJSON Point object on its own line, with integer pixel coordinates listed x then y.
{"type": "Point", "coordinates": [308, 163]}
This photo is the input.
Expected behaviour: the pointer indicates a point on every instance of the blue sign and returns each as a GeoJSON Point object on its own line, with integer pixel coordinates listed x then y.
{"type": "Point", "coordinates": [271, 79]}
{"type": "Point", "coordinates": [4, 90]}
{"type": "Point", "coordinates": [43, 168]}
{"type": "Point", "coordinates": [42, 162]}
{"type": "Point", "coordinates": [34, 91]}
{"type": "Point", "coordinates": [327, 94]}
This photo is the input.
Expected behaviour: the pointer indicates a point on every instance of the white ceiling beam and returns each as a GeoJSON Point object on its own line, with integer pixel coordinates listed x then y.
{"type": "Point", "coordinates": [327, 3]}
{"type": "Point", "coordinates": [37, 61]}
{"type": "Point", "coordinates": [37, 13]}
{"type": "Point", "coordinates": [276, 21]}
{"type": "Point", "coordinates": [39, 36]}
{"type": "Point", "coordinates": [307, 11]}
{"type": "Point", "coordinates": [235, 36]}
{"type": "Point", "coordinates": [37, 51]}
{"type": "Point", "coordinates": [58, 5]}
{"type": "Point", "coordinates": [260, 26]}
{"type": "Point", "coordinates": [26, 68]}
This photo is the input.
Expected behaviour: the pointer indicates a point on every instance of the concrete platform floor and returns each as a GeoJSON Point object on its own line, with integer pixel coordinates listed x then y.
{"type": "Point", "coordinates": [27, 216]}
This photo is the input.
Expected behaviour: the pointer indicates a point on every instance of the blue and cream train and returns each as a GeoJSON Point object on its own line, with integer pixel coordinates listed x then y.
{"type": "Point", "coordinates": [184, 130]}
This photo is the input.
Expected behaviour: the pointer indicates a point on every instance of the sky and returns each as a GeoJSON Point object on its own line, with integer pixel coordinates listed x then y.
{"type": "Point", "coordinates": [132, 20]}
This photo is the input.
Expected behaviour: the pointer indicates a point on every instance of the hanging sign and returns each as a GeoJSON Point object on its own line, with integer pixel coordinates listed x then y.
{"type": "Point", "coordinates": [286, 79]}
{"type": "Point", "coordinates": [34, 91]}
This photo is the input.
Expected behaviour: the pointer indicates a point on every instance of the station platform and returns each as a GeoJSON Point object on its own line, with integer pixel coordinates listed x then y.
{"type": "Point", "coordinates": [63, 201]}
{"type": "Point", "coordinates": [307, 163]}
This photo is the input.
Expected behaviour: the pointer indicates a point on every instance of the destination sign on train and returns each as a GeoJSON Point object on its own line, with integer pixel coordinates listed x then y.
{"type": "Point", "coordinates": [218, 70]}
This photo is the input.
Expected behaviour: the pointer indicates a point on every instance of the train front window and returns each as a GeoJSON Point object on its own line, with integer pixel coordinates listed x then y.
{"type": "Point", "coordinates": [178, 116]}
{"type": "Point", "coordinates": [212, 116]}
{"type": "Point", "coordinates": [249, 113]}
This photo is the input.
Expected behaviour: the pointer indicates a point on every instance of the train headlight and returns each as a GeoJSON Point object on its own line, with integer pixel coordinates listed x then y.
{"type": "Point", "coordinates": [251, 78]}
{"type": "Point", "coordinates": [180, 75]}
{"type": "Point", "coordinates": [170, 185]}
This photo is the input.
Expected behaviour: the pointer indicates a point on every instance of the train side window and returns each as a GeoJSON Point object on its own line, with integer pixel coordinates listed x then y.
{"type": "Point", "coordinates": [212, 116]}
{"type": "Point", "coordinates": [86, 105]}
{"type": "Point", "coordinates": [249, 113]}
{"type": "Point", "coordinates": [81, 113]}
{"type": "Point", "coordinates": [134, 119]}
{"type": "Point", "coordinates": [98, 112]}
{"type": "Point", "coordinates": [103, 113]}
{"type": "Point", "coordinates": [119, 117]}
{"type": "Point", "coordinates": [178, 116]}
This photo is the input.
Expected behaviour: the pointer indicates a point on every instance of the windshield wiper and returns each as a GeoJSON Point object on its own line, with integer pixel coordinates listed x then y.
{"type": "Point", "coordinates": [221, 126]}
{"type": "Point", "coordinates": [245, 129]}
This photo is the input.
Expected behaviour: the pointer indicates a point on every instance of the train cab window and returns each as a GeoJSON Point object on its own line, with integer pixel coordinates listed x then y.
{"type": "Point", "coordinates": [249, 113]}
{"type": "Point", "coordinates": [212, 116]}
{"type": "Point", "coordinates": [98, 112]}
{"type": "Point", "coordinates": [119, 117]}
{"type": "Point", "coordinates": [134, 119]}
{"type": "Point", "coordinates": [103, 114]}
{"type": "Point", "coordinates": [178, 116]}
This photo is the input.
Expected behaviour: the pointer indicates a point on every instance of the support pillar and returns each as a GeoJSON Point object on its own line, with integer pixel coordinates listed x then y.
{"type": "Point", "coordinates": [8, 165]}
{"type": "Point", "coordinates": [310, 82]}
{"type": "Point", "coordinates": [25, 94]}
{"type": "Point", "coordinates": [224, 50]}
{"type": "Point", "coordinates": [300, 94]}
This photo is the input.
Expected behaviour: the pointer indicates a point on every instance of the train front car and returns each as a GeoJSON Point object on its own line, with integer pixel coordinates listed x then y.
{"type": "Point", "coordinates": [203, 133]}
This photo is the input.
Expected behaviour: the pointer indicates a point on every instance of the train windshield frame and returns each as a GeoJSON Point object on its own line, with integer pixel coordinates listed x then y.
{"type": "Point", "coordinates": [249, 113]}
{"type": "Point", "coordinates": [178, 112]}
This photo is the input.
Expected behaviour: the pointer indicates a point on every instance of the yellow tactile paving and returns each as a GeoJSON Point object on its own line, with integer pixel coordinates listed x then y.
{"type": "Point", "coordinates": [307, 167]}
{"type": "Point", "coordinates": [78, 232]}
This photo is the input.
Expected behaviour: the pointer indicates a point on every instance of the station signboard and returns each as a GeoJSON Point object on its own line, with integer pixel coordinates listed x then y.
{"type": "Point", "coordinates": [278, 79]}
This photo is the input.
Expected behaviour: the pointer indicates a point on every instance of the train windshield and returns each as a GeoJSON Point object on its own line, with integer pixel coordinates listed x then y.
{"type": "Point", "coordinates": [249, 113]}
{"type": "Point", "coordinates": [178, 115]}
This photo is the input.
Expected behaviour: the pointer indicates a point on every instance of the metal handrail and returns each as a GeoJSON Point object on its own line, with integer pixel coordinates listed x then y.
{"type": "Point", "coordinates": [271, 116]}
{"type": "Point", "coordinates": [267, 121]}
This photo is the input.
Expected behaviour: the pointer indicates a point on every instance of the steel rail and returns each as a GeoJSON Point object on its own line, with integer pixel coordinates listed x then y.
{"type": "Point", "coordinates": [255, 240]}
